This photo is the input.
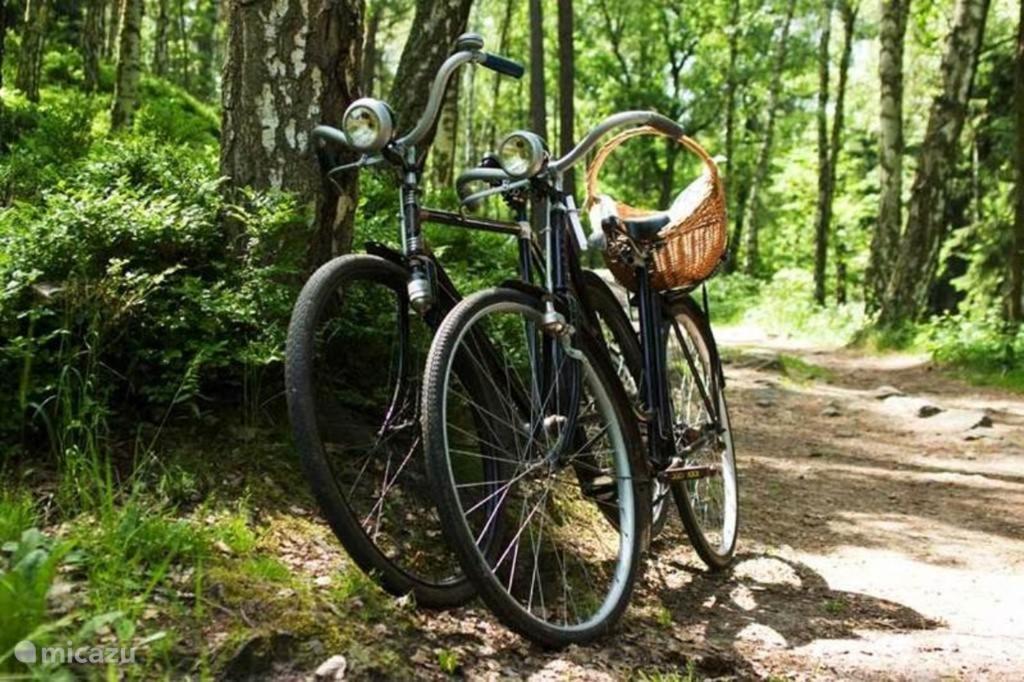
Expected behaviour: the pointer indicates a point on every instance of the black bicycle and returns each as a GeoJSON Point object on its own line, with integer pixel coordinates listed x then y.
{"type": "Point", "coordinates": [552, 533]}
{"type": "Point", "coordinates": [356, 345]}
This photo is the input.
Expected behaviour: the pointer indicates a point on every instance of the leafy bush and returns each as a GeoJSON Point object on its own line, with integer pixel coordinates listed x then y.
{"type": "Point", "coordinates": [987, 348]}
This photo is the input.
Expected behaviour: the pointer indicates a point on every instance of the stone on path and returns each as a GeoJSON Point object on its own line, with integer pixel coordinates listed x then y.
{"type": "Point", "coordinates": [883, 392]}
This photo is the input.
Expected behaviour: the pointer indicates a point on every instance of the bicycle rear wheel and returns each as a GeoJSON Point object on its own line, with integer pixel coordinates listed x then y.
{"type": "Point", "coordinates": [705, 487]}
{"type": "Point", "coordinates": [353, 369]}
{"type": "Point", "coordinates": [531, 535]}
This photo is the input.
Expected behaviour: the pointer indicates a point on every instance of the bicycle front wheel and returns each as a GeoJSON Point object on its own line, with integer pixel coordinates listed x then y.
{"type": "Point", "coordinates": [552, 532]}
{"type": "Point", "coordinates": [353, 368]}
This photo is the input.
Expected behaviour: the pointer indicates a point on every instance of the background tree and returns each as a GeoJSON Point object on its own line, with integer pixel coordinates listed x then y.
{"type": "Point", "coordinates": [885, 242]}
{"type": "Point", "coordinates": [3, 38]}
{"type": "Point", "coordinates": [764, 160]}
{"type": "Point", "coordinates": [270, 104]}
{"type": "Point", "coordinates": [1015, 313]}
{"type": "Point", "coordinates": [92, 43]}
{"type": "Point", "coordinates": [908, 287]}
{"type": "Point", "coordinates": [33, 38]}
{"type": "Point", "coordinates": [566, 86]}
{"type": "Point", "coordinates": [160, 38]}
{"type": "Point", "coordinates": [538, 91]}
{"type": "Point", "coordinates": [129, 65]}
{"type": "Point", "coordinates": [435, 27]}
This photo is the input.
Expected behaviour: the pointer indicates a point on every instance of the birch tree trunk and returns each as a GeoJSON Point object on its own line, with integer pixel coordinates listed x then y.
{"type": "Point", "coordinates": [762, 171]}
{"type": "Point", "coordinates": [886, 238]}
{"type": "Point", "coordinates": [566, 87]}
{"type": "Point", "coordinates": [33, 37]}
{"type": "Point", "coordinates": [442, 156]}
{"type": "Point", "coordinates": [1014, 309]}
{"type": "Point", "coordinates": [435, 27]}
{"type": "Point", "coordinates": [129, 65]}
{"type": "Point", "coordinates": [915, 269]}
{"type": "Point", "coordinates": [160, 32]}
{"type": "Point", "coordinates": [291, 64]}
{"type": "Point", "coordinates": [821, 218]}
{"type": "Point", "coordinates": [92, 43]}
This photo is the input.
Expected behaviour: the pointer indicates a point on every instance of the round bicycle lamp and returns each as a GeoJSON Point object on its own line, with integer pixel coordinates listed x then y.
{"type": "Point", "coordinates": [368, 124]}
{"type": "Point", "coordinates": [522, 154]}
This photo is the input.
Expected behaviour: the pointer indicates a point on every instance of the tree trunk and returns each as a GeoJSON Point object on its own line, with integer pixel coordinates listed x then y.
{"type": "Point", "coordinates": [885, 240]}
{"type": "Point", "coordinates": [435, 27]}
{"type": "Point", "coordinates": [492, 126]}
{"type": "Point", "coordinates": [442, 157]}
{"type": "Point", "coordinates": [92, 43]}
{"type": "Point", "coordinates": [849, 11]}
{"type": "Point", "coordinates": [731, 85]}
{"type": "Point", "coordinates": [185, 59]}
{"type": "Point", "coordinates": [113, 21]}
{"type": "Point", "coordinates": [369, 71]}
{"type": "Point", "coordinates": [907, 291]}
{"type": "Point", "coordinates": [271, 104]}
{"type": "Point", "coordinates": [821, 218]}
{"type": "Point", "coordinates": [762, 171]}
{"type": "Point", "coordinates": [538, 97]}
{"type": "Point", "coordinates": [3, 36]}
{"type": "Point", "coordinates": [129, 65]}
{"type": "Point", "coordinates": [33, 38]}
{"type": "Point", "coordinates": [1015, 313]}
{"type": "Point", "coordinates": [829, 147]}
{"type": "Point", "coordinates": [566, 87]}
{"type": "Point", "coordinates": [163, 21]}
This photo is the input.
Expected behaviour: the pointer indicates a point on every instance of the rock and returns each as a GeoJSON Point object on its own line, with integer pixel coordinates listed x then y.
{"type": "Point", "coordinates": [256, 655]}
{"type": "Point", "coordinates": [332, 669]}
{"type": "Point", "coordinates": [908, 406]}
{"type": "Point", "coordinates": [322, 580]}
{"type": "Point", "coordinates": [883, 392]}
{"type": "Point", "coordinates": [831, 410]}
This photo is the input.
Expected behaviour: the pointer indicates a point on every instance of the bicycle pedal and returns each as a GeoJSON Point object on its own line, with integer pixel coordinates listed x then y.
{"type": "Point", "coordinates": [679, 471]}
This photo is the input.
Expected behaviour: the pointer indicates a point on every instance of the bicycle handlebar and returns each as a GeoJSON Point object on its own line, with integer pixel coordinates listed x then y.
{"type": "Point", "coordinates": [639, 118]}
{"type": "Point", "coordinates": [503, 65]}
{"type": "Point", "coordinates": [329, 134]}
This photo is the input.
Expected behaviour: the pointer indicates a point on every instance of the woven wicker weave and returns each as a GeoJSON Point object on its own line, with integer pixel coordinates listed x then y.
{"type": "Point", "coordinates": [689, 249]}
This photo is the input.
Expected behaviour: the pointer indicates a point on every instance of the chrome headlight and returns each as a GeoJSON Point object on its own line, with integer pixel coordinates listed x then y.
{"type": "Point", "coordinates": [522, 154]}
{"type": "Point", "coordinates": [368, 125]}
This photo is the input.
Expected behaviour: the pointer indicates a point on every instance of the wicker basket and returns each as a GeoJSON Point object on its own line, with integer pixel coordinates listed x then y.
{"type": "Point", "coordinates": [690, 248]}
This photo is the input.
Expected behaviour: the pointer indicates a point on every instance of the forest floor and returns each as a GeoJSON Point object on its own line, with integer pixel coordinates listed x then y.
{"type": "Point", "coordinates": [882, 536]}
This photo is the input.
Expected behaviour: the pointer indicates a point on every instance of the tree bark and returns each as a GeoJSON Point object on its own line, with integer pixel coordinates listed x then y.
{"type": "Point", "coordinates": [886, 238]}
{"type": "Point", "coordinates": [129, 65]}
{"type": "Point", "coordinates": [1014, 309]}
{"type": "Point", "coordinates": [848, 9]}
{"type": "Point", "coordinates": [369, 71]}
{"type": "Point", "coordinates": [435, 27]}
{"type": "Point", "coordinates": [821, 218]}
{"type": "Point", "coordinates": [92, 43]}
{"type": "Point", "coordinates": [538, 96]}
{"type": "Point", "coordinates": [442, 157]}
{"type": "Point", "coordinates": [566, 87]}
{"type": "Point", "coordinates": [185, 59]}
{"type": "Point", "coordinates": [33, 38]}
{"type": "Point", "coordinates": [160, 32]}
{"type": "Point", "coordinates": [291, 64]}
{"type": "Point", "coordinates": [907, 291]}
{"type": "Point", "coordinates": [762, 171]}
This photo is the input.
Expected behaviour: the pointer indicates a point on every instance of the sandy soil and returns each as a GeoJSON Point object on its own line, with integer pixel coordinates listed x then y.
{"type": "Point", "coordinates": [875, 543]}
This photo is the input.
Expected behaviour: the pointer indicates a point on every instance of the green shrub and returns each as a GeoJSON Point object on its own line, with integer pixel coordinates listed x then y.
{"type": "Point", "coordinates": [986, 348]}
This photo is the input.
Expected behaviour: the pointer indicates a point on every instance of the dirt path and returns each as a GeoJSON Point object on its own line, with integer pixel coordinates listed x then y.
{"type": "Point", "coordinates": [875, 543]}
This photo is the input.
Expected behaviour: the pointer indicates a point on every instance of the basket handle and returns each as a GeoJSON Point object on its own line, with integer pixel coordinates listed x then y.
{"type": "Point", "coordinates": [611, 145]}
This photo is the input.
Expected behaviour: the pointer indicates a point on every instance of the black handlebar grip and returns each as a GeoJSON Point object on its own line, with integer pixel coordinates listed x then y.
{"type": "Point", "coordinates": [503, 65]}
